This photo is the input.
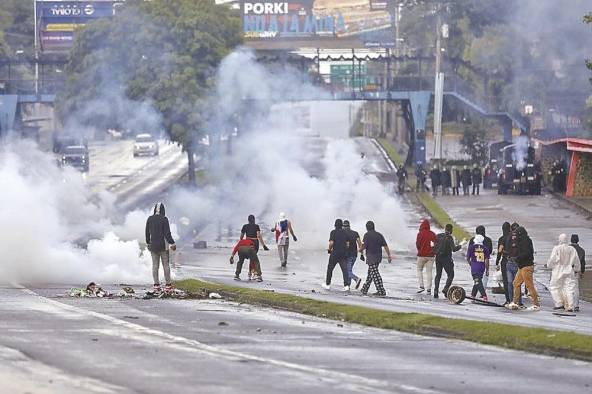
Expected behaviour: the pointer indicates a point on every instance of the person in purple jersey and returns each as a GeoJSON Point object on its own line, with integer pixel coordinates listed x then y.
{"type": "Point", "coordinates": [478, 259]}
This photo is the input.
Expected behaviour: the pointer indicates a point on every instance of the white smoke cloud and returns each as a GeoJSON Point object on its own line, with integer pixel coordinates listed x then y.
{"type": "Point", "coordinates": [520, 154]}
{"type": "Point", "coordinates": [46, 212]}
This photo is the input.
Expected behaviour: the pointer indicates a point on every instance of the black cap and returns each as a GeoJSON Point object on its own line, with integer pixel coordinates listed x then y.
{"type": "Point", "coordinates": [575, 239]}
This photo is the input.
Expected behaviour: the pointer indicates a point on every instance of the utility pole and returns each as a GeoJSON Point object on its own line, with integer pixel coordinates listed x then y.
{"type": "Point", "coordinates": [438, 89]}
{"type": "Point", "coordinates": [36, 48]}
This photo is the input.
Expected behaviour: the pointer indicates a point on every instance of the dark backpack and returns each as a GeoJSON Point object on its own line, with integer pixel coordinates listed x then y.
{"type": "Point", "coordinates": [442, 246]}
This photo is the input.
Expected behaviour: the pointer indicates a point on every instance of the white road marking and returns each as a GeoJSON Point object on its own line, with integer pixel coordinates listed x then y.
{"type": "Point", "coordinates": [153, 336]}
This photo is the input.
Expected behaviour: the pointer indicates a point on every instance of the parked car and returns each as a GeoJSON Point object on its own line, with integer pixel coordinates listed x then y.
{"type": "Point", "coordinates": [145, 144]}
{"type": "Point", "coordinates": [76, 156]}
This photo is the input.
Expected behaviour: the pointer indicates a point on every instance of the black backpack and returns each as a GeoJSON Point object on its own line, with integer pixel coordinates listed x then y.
{"type": "Point", "coordinates": [442, 247]}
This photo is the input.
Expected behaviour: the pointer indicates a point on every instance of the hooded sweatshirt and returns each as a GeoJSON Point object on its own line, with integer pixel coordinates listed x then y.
{"type": "Point", "coordinates": [425, 240]}
{"type": "Point", "coordinates": [158, 231]}
{"type": "Point", "coordinates": [524, 249]}
{"type": "Point", "coordinates": [477, 255]}
{"type": "Point", "coordinates": [487, 242]}
{"type": "Point", "coordinates": [563, 258]}
{"type": "Point", "coordinates": [501, 242]}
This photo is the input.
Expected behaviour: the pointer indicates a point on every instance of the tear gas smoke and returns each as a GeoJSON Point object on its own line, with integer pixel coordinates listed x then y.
{"type": "Point", "coordinates": [45, 212]}
{"type": "Point", "coordinates": [520, 154]}
{"type": "Point", "coordinates": [271, 167]}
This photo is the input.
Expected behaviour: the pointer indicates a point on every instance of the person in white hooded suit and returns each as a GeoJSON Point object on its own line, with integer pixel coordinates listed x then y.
{"type": "Point", "coordinates": [563, 258]}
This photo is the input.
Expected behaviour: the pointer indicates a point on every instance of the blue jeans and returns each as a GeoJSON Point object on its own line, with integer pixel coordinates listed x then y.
{"type": "Point", "coordinates": [351, 260]}
{"type": "Point", "coordinates": [512, 270]}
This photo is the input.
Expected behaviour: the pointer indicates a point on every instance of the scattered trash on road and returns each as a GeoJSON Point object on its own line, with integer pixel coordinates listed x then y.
{"type": "Point", "coordinates": [215, 296]}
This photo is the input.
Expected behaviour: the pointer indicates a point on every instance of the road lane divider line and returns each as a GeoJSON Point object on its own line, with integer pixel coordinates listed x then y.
{"type": "Point", "coordinates": [362, 384]}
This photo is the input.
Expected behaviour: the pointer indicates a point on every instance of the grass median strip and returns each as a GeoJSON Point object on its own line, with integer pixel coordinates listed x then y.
{"type": "Point", "coordinates": [535, 340]}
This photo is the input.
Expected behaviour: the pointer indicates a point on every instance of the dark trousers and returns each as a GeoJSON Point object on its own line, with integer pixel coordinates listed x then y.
{"type": "Point", "coordinates": [448, 266]}
{"type": "Point", "coordinates": [373, 276]}
{"type": "Point", "coordinates": [333, 261]}
{"type": "Point", "coordinates": [476, 187]}
{"type": "Point", "coordinates": [455, 191]}
{"type": "Point", "coordinates": [247, 253]}
{"type": "Point", "coordinates": [504, 264]}
{"type": "Point", "coordinates": [465, 190]}
{"type": "Point", "coordinates": [477, 285]}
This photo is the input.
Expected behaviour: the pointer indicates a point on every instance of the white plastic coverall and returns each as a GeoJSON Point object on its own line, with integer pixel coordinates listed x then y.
{"type": "Point", "coordinates": [562, 285]}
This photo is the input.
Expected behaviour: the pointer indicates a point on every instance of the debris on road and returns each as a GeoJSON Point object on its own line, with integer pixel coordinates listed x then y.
{"type": "Point", "coordinates": [127, 291]}
{"type": "Point", "coordinates": [215, 296]}
{"type": "Point", "coordinates": [91, 290]}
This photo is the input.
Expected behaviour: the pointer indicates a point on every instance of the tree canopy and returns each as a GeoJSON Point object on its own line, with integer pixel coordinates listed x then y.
{"type": "Point", "coordinates": [162, 52]}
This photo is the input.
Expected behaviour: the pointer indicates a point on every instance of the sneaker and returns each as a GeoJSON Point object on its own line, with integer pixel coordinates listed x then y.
{"type": "Point", "coordinates": [512, 306]}
{"type": "Point", "coordinates": [326, 286]}
{"type": "Point", "coordinates": [536, 308]}
{"type": "Point", "coordinates": [258, 278]}
{"type": "Point", "coordinates": [429, 291]}
{"type": "Point", "coordinates": [420, 290]}
{"type": "Point", "coordinates": [577, 309]}
{"type": "Point", "coordinates": [484, 298]}
{"type": "Point", "coordinates": [237, 278]}
{"type": "Point", "coordinates": [445, 292]}
{"type": "Point", "coordinates": [378, 294]}
{"type": "Point", "coordinates": [358, 283]}
{"type": "Point", "coordinates": [169, 289]}
{"type": "Point", "coordinates": [522, 306]}
{"type": "Point", "coordinates": [284, 264]}
{"type": "Point", "coordinates": [556, 308]}
{"type": "Point", "coordinates": [345, 288]}
{"type": "Point", "coordinates": [250, 276]}
{"type": "Point", "coordinates": [436, 294]}
{"type": "Point", "coordinates": [156, 288]}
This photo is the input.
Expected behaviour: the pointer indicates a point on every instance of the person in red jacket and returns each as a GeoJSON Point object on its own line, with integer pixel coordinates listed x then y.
{"type": "Point", "coordinates": [426, 239]}
{"type": "Point", "coordinates": [246, 250]}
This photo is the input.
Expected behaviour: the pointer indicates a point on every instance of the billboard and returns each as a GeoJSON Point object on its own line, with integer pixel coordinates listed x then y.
{"type": "Point", "coordinates": [57, 20]}
{"type": "Point", "coordinates": [319, 23]}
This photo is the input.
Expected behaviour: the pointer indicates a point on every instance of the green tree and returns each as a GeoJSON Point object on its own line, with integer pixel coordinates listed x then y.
{"type": "Point", "coordinates": [474, 143]}
{"type": "Point", "coordinates": [164, 52]}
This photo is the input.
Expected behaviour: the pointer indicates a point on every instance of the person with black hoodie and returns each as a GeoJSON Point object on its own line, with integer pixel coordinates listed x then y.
{"type": "Point", "coordinates": [501, 260]}
{"type": "Point", "coordinates": [338, 249]}
{"type": "Point", "coordinates": [158, 239]}
{"type": "Point", "coordinates": [488, 243]}
{"type": "Point", "coordinates": [524, 258]}
{"type": "Point", "coordinates": [443, 250]}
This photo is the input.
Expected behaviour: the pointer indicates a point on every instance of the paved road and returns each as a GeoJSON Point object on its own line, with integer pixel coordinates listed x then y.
{"type": "Point", "coordinates": [307, 266]}
{"type": "Point", "coordinates": [70, 345]}
{"type": "Point", "coordinates": [113, 168]}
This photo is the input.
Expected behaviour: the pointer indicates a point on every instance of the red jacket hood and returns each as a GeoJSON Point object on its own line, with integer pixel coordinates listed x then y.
{"type": "Point", "coordinates": [425, 225]}
{"type": "Point", "coordinates": [425, 239]}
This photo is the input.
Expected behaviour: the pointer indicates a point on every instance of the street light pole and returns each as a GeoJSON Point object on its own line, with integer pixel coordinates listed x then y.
{"type": "Point", "coordinates": [36, 48]}
{"type": "Point", "coordinates": [438, 92]}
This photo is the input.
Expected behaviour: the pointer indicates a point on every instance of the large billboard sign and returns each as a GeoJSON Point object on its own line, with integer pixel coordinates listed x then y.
{"type": "Point", "coordinates": [319, 23]}
{"type": "Point", "coordinates": [57, 20]}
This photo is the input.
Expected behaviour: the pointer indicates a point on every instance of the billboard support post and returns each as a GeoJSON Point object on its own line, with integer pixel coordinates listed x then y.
{"type": "Point", "coordinates": [36, 48]}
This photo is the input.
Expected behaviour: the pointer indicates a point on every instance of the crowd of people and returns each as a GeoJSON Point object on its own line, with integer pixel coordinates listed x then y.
{"type": "Point", "coordinates": [515, 258]}
{"type": "Point", "coordinates": [448, 180]}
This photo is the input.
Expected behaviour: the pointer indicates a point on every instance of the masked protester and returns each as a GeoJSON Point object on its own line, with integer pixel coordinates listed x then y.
{"type": "Point", "coordinates": [478, 258]}
{"type": "Point", "coordinates": [477, 178]}
{"type": "Point", "coordinates": [502, 260]}
{"type": "Point", "coordinates": [579, 270]}
{"type": "Point", "coordinates": [524, 258]}
{"type": "Point", "coordinates": [425, 241]}
{"type": "Point", "coordinates": [455, 181]}
{"type": "Point", "coordinates": [465, 179]}
{"type": "Point", "coordinates": [159, 239]}
{"type": "Point", "coordinates": [562, 285]}
{"type": "Point", "coordinates": [443, 250]}
{"type": "Point", "coordinates": [338, 246]}
{"type": "Point", "coordinates": [373, 243]}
